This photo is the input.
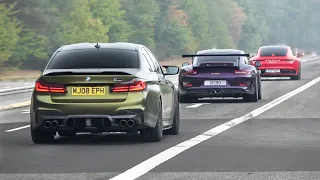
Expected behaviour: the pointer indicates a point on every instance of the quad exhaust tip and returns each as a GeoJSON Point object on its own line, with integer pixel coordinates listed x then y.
{"type": "Point", "coordinates": [126, 123]}
{"type": "Point", "coordinates": [122, 123]}
{"type": "Point", "coordinates": [54, 124]}
{"type": "Point", "coordinates": [131, 123]}
{"type": "Point", "coordinates": [47, 124]}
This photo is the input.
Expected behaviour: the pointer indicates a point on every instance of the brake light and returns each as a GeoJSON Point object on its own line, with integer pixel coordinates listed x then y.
{"type": "Point", "coordinates": [243, 72]}
{"type": "Point", "coordinates": [243, 85]}
{"type": "Point", "coordinates": [47, 87]}
{"type": "Point", "coordinates": [189, 73]}
{"type": "Point", "coordinates": [132, 86]}
{"type": "Point", "coordinates": [187, 84]}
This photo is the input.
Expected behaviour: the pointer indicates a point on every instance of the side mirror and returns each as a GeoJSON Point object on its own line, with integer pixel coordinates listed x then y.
{"type": "Point", "coordinates": [299, 55]}
{"type": "Point", "coordinates": [41, 70]}
{"type": "Point", "coordinates": [171, 70]}
{"type": "Point", "coordinates": [185, 64]}
{"type": "Point", "coordinates": [257, 64]}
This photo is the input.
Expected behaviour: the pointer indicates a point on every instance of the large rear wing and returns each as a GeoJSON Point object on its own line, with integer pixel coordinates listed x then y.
{"type": "Point", "coordinates": [235, 66]}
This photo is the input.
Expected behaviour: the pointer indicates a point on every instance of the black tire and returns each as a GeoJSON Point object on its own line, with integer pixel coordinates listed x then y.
{"type": "Point", "coordinates": [174, 130]}
{"type": "Point", "coordinates": [154, 134]}
{"type": "Point", "coordinates": [39, 136]}
{"type": "Point", "coordinates": [254, 97]}
{"type": "Point", "coordinates": [297, 77]}
{"type": "Point", "coordinates": [260, 91]}
{"type": "Point", "coordinates": [66, 133]}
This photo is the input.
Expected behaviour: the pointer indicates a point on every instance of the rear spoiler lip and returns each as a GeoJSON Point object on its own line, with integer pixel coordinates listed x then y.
{"type": "Point", "coordinates": [50, 72]}
{"type": "Point", "coordinates": [204, 55]}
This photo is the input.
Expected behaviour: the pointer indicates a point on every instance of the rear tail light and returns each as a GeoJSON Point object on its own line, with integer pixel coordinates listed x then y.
{"type": "Point", "coordinates": [187, 84]}
{"type": "Point", "coordinates": [42, 86]}
{"type": "Point", "coordinates": [189, 73]}
{"type": "Point", "coordinates": [243, 85]}
{"type": "Point", "coordinates": [243, 72]}
{"type": "Point", "coordinates": [132, 86]}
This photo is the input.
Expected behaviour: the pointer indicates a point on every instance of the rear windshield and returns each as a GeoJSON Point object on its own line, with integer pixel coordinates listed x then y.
{"type": "Point", "coordinates": [273, 51]}
{"type": "Point", "coordinates": [206, 59]}
{"type": "Point", "coordinates": [93, 58]}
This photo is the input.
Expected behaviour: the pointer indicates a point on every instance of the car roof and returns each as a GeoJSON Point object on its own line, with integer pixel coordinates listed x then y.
{"type": "Point", "coordinates": [221, 51]}
{"type": "Point", "coordinates": [88, 45]}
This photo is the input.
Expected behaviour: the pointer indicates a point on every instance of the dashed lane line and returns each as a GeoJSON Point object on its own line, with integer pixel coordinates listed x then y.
{"type": "Point", "coordinates": [164, 156]}
{"type": "Point", "coordinates": [19, 128]}
{"type": "Point", "coordinates": [27, 111]}
{"type": "Point", "coordinates": [194, 105]}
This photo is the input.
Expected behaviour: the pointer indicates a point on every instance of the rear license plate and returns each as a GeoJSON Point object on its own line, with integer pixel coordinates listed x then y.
{"type": "Point", "coordinates": [215, 83]}
{"type": "Point", "coordinates": [273, 70]}
{"type": "Point", "coordinates": [88, 91]}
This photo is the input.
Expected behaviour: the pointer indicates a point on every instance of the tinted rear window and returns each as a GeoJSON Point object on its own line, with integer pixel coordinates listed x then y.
{"type": "Point", "coordinates": [206, 59]}
{"type": "Point", "coordinates": [102, 58]}
{"type": "Point", "coordinates": [277, 51]}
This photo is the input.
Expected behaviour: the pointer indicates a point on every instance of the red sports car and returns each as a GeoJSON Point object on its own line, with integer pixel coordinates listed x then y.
{"type": "Point", "coordinates": [277, 61]}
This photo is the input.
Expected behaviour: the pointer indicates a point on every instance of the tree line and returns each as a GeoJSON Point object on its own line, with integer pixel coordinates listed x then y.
{"type": "Point", "coordinates": [31, 30]}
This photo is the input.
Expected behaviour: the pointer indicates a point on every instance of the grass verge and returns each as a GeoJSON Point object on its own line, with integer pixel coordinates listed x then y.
{"type": "Point", "coordinates": [19, 75]}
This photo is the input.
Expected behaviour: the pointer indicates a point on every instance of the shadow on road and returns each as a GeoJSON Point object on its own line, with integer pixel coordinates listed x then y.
{"type": "Point", "coordinates": [102, 139]}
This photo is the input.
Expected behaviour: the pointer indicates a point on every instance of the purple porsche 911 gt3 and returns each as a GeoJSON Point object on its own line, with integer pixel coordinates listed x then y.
{"type": "Point", "coordinates": [219, 73]}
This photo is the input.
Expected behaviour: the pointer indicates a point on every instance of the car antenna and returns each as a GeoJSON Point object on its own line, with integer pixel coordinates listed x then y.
{"type": "Point", "coordinates": [97, 45]}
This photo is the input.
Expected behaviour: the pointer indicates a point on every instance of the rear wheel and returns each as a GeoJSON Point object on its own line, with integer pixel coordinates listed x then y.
{"type": "Point", "coordinates": [252, 97]}
{"type": "Point", "coordinates": [260, 91]}
{"type": "Point", "coordinates": [154, 134]}
{"type": "Point", "coordinates": [39, 136]}
{"type": "Point", "coordinates": [297, 77]}
{"type": "Point", "coordinates": [174, 130]}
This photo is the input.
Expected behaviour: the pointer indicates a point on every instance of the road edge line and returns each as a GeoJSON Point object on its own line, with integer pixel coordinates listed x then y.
{"type": "Point", "coordinates": [15, 105]}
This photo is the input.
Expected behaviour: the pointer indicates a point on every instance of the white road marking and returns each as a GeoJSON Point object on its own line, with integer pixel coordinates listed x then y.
{"type": "Point", "coordinates": [164, 156]}
{"type": "Point", "coordinates": [27, 111]}
{"type": "Point", "coordinates": [16, 129]}
{"type": "Point", "coordinates": [194, 106]}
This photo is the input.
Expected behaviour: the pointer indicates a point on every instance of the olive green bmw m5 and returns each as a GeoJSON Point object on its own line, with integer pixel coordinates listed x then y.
{"type": "Point", "coordinates": [104, 87]}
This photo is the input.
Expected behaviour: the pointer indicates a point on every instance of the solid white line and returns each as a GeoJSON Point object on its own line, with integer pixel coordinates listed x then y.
{"type": "Point", "coordinates": [194, 106]}
{"type": "Point", "coordinates": [16, 129]}
{"type": "Point", "coordinates": [164, 156]}
{"type": "Point", "coordinates": [27, 111]}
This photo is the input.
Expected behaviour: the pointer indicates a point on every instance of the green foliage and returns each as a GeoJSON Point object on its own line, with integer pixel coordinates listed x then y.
{"type": "Point", "coordinates": [31, 30]}
{"type": "Point", "coordinates": [141, 15]}
{"type": "Point", "coordinates": [9, 33]}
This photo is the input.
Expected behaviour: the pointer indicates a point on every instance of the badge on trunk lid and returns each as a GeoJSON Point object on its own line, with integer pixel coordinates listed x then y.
{"type": "Point", "coordinates": [117, 79]}
{"type": "Point", "coordinates": [88, 78]}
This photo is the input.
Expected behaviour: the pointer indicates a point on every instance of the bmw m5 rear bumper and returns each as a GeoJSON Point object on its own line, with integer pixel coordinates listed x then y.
{"type": "Point", "coordinates": [129, 120]}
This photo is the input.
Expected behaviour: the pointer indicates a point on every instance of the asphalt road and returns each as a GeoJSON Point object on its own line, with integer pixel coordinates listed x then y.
{"type": "Point", "coordinates": [280, 143]}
